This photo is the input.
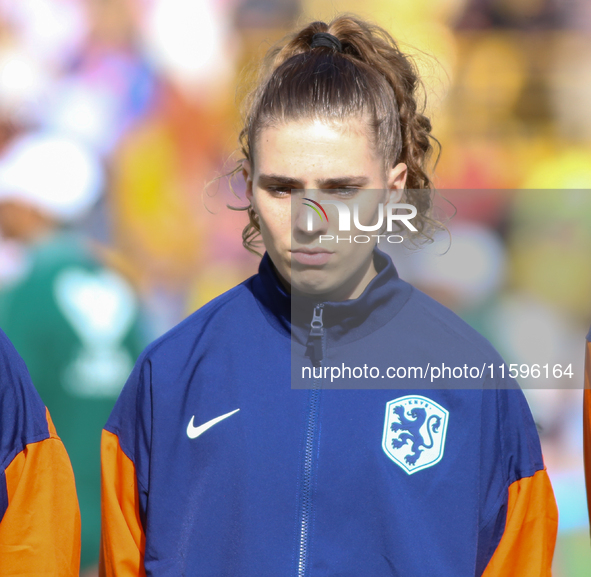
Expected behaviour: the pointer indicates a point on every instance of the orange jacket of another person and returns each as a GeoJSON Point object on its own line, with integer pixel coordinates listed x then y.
{"type": "Point", "coordinates": [587, 420]}
{"type": "Point", "coordinates": [39, 513]}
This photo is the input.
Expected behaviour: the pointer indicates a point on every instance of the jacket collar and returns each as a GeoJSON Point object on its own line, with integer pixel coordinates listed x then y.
{"type": "Point", "coordinates": [344, 321]}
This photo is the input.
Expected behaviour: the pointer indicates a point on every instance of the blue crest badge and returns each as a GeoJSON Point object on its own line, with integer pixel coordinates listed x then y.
{"type": "Point", "coordinates": [414, 432]}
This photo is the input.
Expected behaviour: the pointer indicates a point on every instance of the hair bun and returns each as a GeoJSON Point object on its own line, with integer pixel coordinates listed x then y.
{"type": "Point", "coordinates": [327, 40]}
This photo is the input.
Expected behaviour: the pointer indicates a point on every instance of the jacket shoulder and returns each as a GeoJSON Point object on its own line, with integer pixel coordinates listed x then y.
{"type": "Point", "coordinates": [23, 417]}
{"type": "Point", "coordinates": [160, 369]}
{"type": "Point", "coordinates": [447, 330]}
{"type": "Point", "coordinates": [218, 319]}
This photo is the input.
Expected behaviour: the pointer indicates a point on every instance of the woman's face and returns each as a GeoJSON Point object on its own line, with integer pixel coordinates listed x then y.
{"type": "Point", "coordinates": [320, 161]}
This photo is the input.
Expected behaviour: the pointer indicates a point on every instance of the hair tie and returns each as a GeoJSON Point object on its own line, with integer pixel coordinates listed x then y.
{"type": "Point", "coordinates": [326, 39]}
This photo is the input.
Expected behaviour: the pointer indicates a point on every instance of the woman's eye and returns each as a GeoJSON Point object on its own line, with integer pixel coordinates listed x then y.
{"type": "Point", "coordinates": [346, 192]}
{"type": "Point", "coordinates": [279, 191]}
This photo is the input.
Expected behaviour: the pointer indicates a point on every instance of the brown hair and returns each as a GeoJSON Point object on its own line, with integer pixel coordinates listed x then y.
{"type": "Point", "coordinates": [370, 77]}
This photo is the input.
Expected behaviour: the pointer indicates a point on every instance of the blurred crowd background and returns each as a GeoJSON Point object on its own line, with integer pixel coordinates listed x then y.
{"type": "Point", "coordinates": [106, 250]}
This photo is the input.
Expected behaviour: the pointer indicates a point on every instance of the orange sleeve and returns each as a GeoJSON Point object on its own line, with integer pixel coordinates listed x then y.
{"type": "Point", "coordinates": [527, 545]}
{"type": "Point", "coordinates": [587, 425]}
{"type": "Point", "coordinates": [122, 534]}
{"type": "Point", "coordinates": [40, 530]}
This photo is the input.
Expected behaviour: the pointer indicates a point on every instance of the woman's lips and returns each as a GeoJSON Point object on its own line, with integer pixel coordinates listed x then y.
{"type": "Point", "coordinates": [311, 257]}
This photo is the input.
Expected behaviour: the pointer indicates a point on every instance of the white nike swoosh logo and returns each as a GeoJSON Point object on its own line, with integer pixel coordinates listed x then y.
{"type": "Point", "coordinates": [194, 432]}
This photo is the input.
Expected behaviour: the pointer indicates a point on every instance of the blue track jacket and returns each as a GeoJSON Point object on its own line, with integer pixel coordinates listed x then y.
{"type": "Point", "coordinates": [216, 464]}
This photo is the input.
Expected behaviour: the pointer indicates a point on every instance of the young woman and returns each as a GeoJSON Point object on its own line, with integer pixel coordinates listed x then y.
{"type": "Point", "coordinates": [228, 452]}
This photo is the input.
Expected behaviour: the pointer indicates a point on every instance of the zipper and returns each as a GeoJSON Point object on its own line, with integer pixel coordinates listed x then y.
{"type": "Point", "coordinates": [317, 335]}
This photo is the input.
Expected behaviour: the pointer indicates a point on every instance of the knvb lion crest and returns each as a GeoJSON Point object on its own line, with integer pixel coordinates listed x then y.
{"type": "Point", "coordinates": [414, 432]}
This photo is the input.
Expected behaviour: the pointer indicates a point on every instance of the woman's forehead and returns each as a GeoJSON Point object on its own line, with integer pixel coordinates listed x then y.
{"type": "Point", "coordinates": [351, 125]}
{"type": "Point", "coordinates": [315, 143]}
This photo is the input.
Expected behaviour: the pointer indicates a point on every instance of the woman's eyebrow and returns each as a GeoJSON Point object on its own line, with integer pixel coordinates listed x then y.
{"type": "Point", "coordinates": [343, 181]}
{"type": "Point", "coordinates": [322, 183]}
{"type": "Point", "coordinates": [279, 179]}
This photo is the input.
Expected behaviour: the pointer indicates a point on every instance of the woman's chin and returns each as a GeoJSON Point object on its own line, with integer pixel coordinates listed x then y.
{"type": "Point", "coordinates": [311, 285]}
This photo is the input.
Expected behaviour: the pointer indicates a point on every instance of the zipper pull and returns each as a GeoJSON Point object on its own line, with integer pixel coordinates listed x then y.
{"type": "Point", "coordinates": [317, 331]}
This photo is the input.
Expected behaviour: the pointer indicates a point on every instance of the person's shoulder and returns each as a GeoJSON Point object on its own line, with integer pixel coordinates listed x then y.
{"type": "Point", "coordinates": [13, 371]}
{"type": "Point", "coordinates": [23, 416]}
{"type": "Point", "coordinates": [220, 318]}
{"type": "Point", "coordinates": [7, 351]}
{"type": "Point", "coordinates": [447, 329]}
{"type": "Point", "coordinates": [160, 368]}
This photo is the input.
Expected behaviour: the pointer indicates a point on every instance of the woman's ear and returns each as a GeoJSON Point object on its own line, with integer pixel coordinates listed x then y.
{"type": "Point", "coordinates": [397, 182]}
{"type": "Point", "coordinates": [246, 172]}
